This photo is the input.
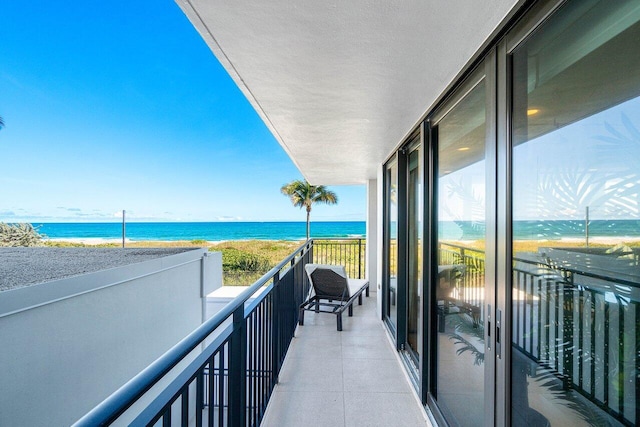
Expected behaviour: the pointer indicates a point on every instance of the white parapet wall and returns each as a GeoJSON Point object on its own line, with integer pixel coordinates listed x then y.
{"type": "Point", "coordinates": [65, 345]}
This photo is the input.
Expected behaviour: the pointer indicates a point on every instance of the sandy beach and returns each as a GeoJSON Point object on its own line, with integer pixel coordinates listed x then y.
{"type": "Point", "coordinates": [103, 241]}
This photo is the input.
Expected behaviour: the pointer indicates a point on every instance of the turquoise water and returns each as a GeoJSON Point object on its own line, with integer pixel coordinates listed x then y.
{"type": "Point", "coordinates": [213, 231]}
{"type": "Point", "coordinates": [544, 229]}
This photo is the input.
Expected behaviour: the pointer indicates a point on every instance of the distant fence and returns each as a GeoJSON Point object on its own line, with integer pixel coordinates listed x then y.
{"type": "Point", "coordinates": [348, 252]}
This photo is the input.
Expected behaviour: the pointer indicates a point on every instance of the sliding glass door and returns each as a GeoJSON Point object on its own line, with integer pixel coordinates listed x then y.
{"type": "Point", "coordinates": [575, 294]}
{"type": "Point", "coordinates": [459, 302]}
{"type": "Point", "coordinates": [390, 264]}
{"type": "Point", "coordinates": [414, 255]}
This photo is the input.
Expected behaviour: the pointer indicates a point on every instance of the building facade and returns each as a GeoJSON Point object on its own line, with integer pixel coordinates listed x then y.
{"type": "Point", "coordinates": [509, 272]}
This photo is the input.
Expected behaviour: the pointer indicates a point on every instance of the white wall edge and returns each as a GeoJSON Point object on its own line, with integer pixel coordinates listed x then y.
{"type": "Point", "coordinates": [18, 300]}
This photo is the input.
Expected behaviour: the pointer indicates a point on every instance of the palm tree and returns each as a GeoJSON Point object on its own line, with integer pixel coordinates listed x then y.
{"type": "Point", "coordinates": [1, 123]}
{"type": "Point", "coordinates": [303, 194]}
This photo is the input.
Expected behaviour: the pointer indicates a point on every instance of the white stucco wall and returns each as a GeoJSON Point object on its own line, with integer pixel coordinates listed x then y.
{"type": "Point", "coordinates": [372, 236]}
{"type": "Point", "coordinates": [379, 218]}
{"type": "Point", "coordinates": [62, 355]}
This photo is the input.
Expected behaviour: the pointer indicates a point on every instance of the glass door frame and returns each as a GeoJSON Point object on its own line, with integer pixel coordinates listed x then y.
{"type": "Point", "coordinates": [486, 69]}
{"type": "Point", "coordinates": [415, 144]}
{"type": "Point", "coordinates": [386, 234]}
{"type": "Point", "coordinates": [414, 141]}
{"type": "Point", "coordinates": [532, 18]}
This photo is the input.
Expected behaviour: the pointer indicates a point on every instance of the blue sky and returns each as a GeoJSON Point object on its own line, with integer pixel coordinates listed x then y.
{"type": "Point", "coordinates": [121, 105]}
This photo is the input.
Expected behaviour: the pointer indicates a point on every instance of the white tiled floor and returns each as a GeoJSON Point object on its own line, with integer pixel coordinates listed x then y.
{"type": "Point", "coordinates": [348, 378]}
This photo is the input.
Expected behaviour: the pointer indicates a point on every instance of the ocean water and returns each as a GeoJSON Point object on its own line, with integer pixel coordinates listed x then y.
{"type": "Point", "coordinates": [214, 231]}
{"type": "Point", "coordinates": [544, 229]}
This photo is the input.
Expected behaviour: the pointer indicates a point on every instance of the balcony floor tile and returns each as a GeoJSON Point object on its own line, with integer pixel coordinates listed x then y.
{"type": "Point", "coordinates": [381, 409]}
{"type": "Point", "coordinates": [307, 408]}
{"type": "Point", "coordinates": [348, 378]}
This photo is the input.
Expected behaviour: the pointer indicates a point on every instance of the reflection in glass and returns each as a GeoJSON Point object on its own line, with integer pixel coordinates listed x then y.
{"type": "Point", "coordinates": [414, 264]}
{"type": "Point", "coordinates": [461, 248]}
{"type": "Point", "coordinates": [576, 218]}
{"type": "Point", "coordinates": [391, 310]}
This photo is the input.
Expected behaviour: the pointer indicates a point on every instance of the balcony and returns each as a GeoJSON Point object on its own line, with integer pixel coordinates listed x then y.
{"type": "Point", "coordinates": [250, 364]}
{"type": "Point", "coordinates": [347, 378]}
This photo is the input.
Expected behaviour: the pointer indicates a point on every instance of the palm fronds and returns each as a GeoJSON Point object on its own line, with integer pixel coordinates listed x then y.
{"type": "Point", "coordinates": [303, 194]}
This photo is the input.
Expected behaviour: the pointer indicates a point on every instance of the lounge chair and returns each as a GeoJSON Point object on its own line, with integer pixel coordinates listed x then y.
{"type": "Point", "coordinates": [332, 291]}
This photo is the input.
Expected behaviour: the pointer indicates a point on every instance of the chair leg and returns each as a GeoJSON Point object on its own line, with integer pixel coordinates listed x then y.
{"type": "Point", "coordinates": [367, 291]}
{"type": "Point", "coordinates": [350, 310]}
{"type": "Point", "coordinates": [360, 299]}
{"type": "Point", "coordinates": [339, 320]}
{"type": "Point", "coordinates": [301, 317]}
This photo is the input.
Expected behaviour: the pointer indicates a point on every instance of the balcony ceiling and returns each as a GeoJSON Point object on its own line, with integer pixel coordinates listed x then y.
{"type": "Point", "coordinates": [341, 83]}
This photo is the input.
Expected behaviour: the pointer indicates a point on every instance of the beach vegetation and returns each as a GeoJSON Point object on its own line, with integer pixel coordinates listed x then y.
{"type": "Point", "coordinates": [237, 260]}
{"type": "Point", "coordinates": [245, 261]}
{"type": "Point", "coordinates": [65, 244]}
{"type": "Point", "coordinates": [20, 234]}
{"type": "Point", "coordinates": [303, 194]}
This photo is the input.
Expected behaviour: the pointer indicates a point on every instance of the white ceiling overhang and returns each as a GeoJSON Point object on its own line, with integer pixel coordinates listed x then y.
{"type": "Point", "coordinates": [340, 84]}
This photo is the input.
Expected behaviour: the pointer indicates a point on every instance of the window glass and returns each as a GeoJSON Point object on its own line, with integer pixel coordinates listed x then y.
{"type": "Point", "coordinates": [459, 301]}
{"type": "Point", "coordinates": [576, 218]}
{"type": "Point", "coordinates": [391, 309]}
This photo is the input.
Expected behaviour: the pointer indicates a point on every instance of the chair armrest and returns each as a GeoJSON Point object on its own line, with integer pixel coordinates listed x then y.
{"type": "Point", "coordinates": [356, 286]}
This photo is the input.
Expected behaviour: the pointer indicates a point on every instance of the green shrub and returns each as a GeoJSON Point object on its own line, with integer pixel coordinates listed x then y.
{"type": "Point", "coordinates": [198, 242]}
{"type": "Point", "coordinates": [240, 278]}
{"type": "Point", "coordinates": [237, 260]}
{"type": "Point", "coordinates": [22, 234]}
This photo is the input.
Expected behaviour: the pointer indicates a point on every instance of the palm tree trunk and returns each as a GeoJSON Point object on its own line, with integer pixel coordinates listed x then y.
{"type": "Point", "coordinates": [308, 223]}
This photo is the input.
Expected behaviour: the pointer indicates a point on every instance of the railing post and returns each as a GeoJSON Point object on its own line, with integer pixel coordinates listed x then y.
{"type": "Point", "coordinates": [359, 258]}
{"type": "Point", "coordinates": [238, 370]}
{"type": "Point", "coordinates": [307, 260]}
{"type": "Point", "coordinates": [567, 336]}
{"type": "Point", "coordinates": [275, 328]}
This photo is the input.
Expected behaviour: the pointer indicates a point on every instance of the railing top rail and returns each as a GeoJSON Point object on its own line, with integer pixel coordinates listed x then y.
{"type": "Point", "coordinates": [339, 239]}
{"type": "Point", "coordinates": [466, 248]}
{"type": "Point", "coordinates": [577, 271]}
{"type": "Point", "coordinates": [116, 404]}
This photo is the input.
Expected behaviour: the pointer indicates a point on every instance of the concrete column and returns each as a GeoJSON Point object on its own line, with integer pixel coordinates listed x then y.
{"type": "Point", "coordinates": [373, 248]}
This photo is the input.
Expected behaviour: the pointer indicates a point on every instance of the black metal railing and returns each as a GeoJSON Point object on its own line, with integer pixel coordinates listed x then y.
{"type": "Point", "coordinates": [583, 327]}
{"type": "Point", "coordinates": [580, 325]}
{"type": "Point", "coordinates": [470, 263]}
{"type": "Point", "coordinates": [227, 368]}
{"type": "Point", "coordinates": [348, 252]}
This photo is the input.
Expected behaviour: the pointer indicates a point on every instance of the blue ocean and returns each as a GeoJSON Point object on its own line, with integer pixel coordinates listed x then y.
{"type": "Point", "coordinates": [213, 231]}
{"type": "Point", "coordinates": [216, 231]}
{"type": "Point", "coordinates": [545, 229]}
